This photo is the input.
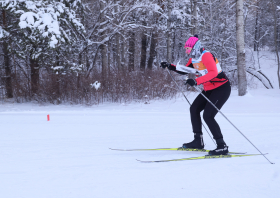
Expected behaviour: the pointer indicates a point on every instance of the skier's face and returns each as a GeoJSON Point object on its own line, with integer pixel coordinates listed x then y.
{"type": "Point", "coordinates": [188, 50]}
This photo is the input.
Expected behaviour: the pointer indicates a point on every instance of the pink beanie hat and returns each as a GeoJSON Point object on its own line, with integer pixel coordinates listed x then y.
{"type": "Point", "coordinates": [191, 41]}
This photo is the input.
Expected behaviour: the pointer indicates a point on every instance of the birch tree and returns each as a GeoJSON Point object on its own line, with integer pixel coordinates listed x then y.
{"type": "Point", "coordinates": [240, 46]}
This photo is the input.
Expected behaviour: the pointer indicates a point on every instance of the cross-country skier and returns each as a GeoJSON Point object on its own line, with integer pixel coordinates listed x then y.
{"type": "Point", "coordinates": [216, 88]}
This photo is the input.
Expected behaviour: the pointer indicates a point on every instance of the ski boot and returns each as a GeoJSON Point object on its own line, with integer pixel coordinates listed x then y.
{"type": "Point", "coordinates": [197, 143]}
{"type": "Point", "coordinates": [222, 148]}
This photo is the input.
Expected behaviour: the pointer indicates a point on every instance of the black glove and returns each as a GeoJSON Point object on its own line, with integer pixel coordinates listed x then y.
{"type": "Point", "coordinates": [191, 82]}
{"type": "Point", "coordinates": [164, 65]}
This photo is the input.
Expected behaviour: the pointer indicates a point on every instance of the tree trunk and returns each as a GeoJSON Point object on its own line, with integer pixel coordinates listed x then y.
{"type": "Point", "coordinates": [143, 52]}
{"type": "Point", "coordinates": [103, 47]}
{"type": "Point", "coordinates": [118, 52]}
{"type": "Point", "coordinates": [8, 72]}
{"type": "Point", "coordinates": [153, 52]}
{"type": "Point", "coordinates": [57, 79]}
{"type": "Point", "coordinates": [34, 77]}
{"type": "Point", "coordinates": [256, 43]}
{"type": "Point", "coordinates": [109, 52]}
{"type": "Point", "coordinates": [104, 60]}
{"type": "Point", "coordinates": [211, 23]}
{"type": "Point", "coordinates": [7, 63]}
{"type": "Point", "coordinates": [131, 51]}
{"type": "Point", "coordinates": [275, 39]}
{"type": "Point", "coordinates": [78, 74]}
{"type": "Point", "coordinates": [87, 60]}
{"type": "Point", "coordinates": [117, 43]}
{"type": "Point", "coordinates": [123, 50]}
{"type": "Point", "coordinates": [169, 53]}
{"type": "Point", "coordinates": [240, 46]}
{"type": "Point", "coordinates": [194, 18]}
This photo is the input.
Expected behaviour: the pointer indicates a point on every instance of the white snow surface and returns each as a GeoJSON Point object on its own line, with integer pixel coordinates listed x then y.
{"type": "Point", "coordinates": [69, 155]}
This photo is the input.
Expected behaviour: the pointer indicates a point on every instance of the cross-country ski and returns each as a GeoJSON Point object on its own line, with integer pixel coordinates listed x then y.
{"type": "Point", "coordinates": [173, 149]}
{"type": "Point", "coordinates": [200, 157]}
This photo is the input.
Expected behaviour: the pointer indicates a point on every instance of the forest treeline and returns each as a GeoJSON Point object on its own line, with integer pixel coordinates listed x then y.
{"type": "Point", "coordinates": [92, 51]}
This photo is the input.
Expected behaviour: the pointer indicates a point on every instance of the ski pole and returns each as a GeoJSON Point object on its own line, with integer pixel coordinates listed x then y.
{"type": "Point", "coordinates": [188, 102]}
{"type": "Point", "coordinates": [230, 122]}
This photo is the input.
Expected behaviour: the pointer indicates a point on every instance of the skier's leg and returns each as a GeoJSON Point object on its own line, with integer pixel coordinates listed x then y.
{"type": "Point", "coordinates": [197, 106]}
{"type": "Point", "coordinates": [218, 97]}
{"type": "Point", "coordinates": [195, 109]}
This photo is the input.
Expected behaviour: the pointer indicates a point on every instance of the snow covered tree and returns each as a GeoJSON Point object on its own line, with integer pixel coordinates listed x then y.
{"type": "Point", "coordinates": [41, 26]}
{"type": "Point", "coordinates": [50, 48]}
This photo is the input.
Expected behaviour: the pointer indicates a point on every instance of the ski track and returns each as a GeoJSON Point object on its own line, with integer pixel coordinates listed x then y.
{"type": "Point", "coordinates": [69, 156]}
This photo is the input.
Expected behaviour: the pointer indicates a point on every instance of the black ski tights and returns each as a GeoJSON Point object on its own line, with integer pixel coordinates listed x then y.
{"type": "Point", "coordinates": [218, 97]}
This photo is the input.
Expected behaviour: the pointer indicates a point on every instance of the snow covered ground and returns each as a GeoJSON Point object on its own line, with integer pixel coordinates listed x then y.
{"type": "Point", "coordinates": [68, 156]}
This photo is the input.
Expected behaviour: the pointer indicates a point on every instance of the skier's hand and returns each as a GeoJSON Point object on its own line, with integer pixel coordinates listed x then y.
{"type": "Point", "coordinates": [164, 65]}
{"type": "Point", "coordinates": [191, 82]}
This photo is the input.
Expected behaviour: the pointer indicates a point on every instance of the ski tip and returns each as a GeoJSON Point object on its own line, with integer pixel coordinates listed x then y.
{"type": "Point", "coordinates": [147, 161]}
{"type": "Point", "coordinates": [116, 149]}
{"type": "Point", "coordinates": [123, 149]}
{"type": "Point", "coordinates": [142, 161]}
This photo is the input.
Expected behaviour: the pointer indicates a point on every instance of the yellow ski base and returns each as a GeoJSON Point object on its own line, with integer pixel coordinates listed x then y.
{"type": "Point", "coordinates": [172, 149]}
{"type": "Point", "coordinates": [201, 157]}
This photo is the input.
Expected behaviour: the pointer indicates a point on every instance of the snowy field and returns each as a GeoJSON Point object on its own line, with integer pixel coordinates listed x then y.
{"type": "Point", "coordinates": [69, 156]}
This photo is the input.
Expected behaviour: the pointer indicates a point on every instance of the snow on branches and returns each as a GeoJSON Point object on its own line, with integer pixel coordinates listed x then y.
{"type": "Point", "coordinates": [3, 33]}
{"type": "Point", "coordinates": [257, 73]}
{"type": "Point", "coordinates": [50, 20]}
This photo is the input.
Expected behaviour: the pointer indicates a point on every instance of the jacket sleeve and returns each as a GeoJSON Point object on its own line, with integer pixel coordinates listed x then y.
{"type": "Point", "coordinates": [173, 68]}
{"type": "Point", "coordinates": [189, 64]}
{"type": "Point", "coordinates": [210, 64]}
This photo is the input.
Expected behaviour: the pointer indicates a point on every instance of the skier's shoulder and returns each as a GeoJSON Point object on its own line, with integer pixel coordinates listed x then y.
{"type": "Point", "coordinates": [207, 56]}
{"type": "Point", "coordinates": [205, 53]}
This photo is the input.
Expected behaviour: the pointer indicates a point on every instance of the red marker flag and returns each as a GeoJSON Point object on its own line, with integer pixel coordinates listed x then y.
{"type": "Point", "coordinates": [48, 117]}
